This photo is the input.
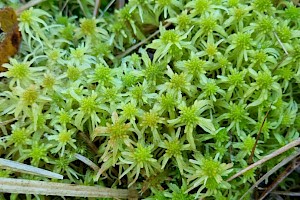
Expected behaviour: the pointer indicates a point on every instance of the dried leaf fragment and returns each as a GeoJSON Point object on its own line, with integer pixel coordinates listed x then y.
{"type": "Point", "coordinates": [10, 35]}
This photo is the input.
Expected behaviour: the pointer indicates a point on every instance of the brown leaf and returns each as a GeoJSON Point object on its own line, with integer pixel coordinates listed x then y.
{"type": "Point", "coordinates": [9, 45]}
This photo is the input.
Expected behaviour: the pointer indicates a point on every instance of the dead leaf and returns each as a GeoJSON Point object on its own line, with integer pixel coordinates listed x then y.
{"type": "Point", "coordinates": [9, 45]}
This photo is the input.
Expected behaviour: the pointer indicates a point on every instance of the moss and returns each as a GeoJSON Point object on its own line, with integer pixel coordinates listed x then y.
{"type": "Point", "coordinates": [190, 99]}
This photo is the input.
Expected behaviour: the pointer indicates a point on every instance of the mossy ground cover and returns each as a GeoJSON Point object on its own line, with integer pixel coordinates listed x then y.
{"type": "Point", "coordinates": [167, 97]}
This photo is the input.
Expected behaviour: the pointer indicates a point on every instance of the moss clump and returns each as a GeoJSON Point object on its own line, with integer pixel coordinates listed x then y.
{"type": "Point", "coordinates": [172, 106]}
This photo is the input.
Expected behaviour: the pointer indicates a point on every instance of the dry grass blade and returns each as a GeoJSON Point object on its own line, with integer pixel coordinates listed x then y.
{"type": "Point", "coordinates": [281, 177]}
{"type": "Point", "coordinates": [273, 170]}
{"type": "Point", "coordinates": [28, 5]}
{"type": "Point", "coordinates": [19, 167]}
{"type": "Point", "coordinates": [21, 186]}
{"type": "Point", "coordinates": [96, 8]}
{"type": "Point", "coordinates": [266, 158]}
{"type": "Point", "coordinates": [87, 161]}
{"type": "Point", "coordinates": [281, 44]}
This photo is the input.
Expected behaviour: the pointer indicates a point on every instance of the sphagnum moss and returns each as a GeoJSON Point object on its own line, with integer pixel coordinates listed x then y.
{"type": "Point", "coordinates": [189, 103]}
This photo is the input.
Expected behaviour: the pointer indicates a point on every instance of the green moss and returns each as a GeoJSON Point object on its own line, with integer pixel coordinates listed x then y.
{"type": "Point", "coordinates": [198, 86]}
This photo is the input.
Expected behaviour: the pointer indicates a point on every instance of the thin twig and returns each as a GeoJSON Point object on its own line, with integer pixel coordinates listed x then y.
{"type": "Point", "coordinates": [96, 8]}
{"type": "Point", "coordinates": [22, 186]}
{"type": "Point", "coordinates": [281, 177]}
{"type": "Point", "coordinates": [89, 142]}
{"type": "Point", "coordinates": [28, 5]}
{"type": "Point", "coordinates": [281, 61]}
{"type": "Point", "coordinates": [64, 6]}
{"type": "Point", "coordinates": [250, 160]}
{"type": "Point", "coordinates": [230, 147]}
{"type": "Point", "coordinates": [273, 170]}
{"type": "Point", "coordinates": [266, 158]}
{"type": "Point", "coordinates": [129, 50]}
{"type": "Point", "coordinates": [295, 194]}
{"type": "Point", "coordinates": [107, 7]}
